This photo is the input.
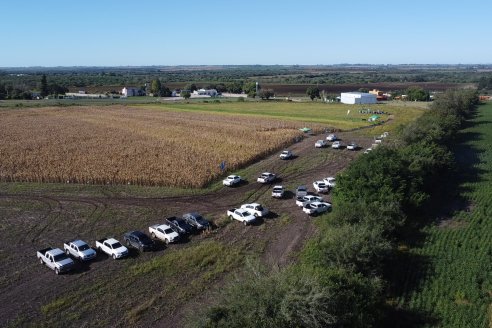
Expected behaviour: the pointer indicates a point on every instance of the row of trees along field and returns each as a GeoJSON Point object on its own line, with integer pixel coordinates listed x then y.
{"type": "Point", "coordinates": [340, 277]}
{"type": "Point", "coordinates": [339, 74]}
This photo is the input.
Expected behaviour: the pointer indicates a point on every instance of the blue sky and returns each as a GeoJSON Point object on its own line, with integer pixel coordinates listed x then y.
{"type": "Point", "coordinates": [215, 32]}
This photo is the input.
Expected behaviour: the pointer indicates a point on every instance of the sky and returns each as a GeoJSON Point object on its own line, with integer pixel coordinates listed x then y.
{"type": "Point", "coordinates": [230, 32]}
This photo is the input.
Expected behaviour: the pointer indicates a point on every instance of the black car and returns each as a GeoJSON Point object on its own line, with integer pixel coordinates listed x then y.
{"type": "Point", "coordinates": [180, 225]}
{"type": "Point", "coordinates": [196, 220]}
{"type": "Point", "coordinates": [139, 240]}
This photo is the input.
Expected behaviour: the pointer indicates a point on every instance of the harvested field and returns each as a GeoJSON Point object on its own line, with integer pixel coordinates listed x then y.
{"type": "Point", "coordinates": [121, 145]}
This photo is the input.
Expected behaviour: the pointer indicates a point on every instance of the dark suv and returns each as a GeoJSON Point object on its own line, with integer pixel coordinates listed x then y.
{"type": "Point", "coordinates": [196, 221]}
{"type": "Point", "coordinates": [139, 240]}
{"type": "Point", "coordinates": [180, 225]}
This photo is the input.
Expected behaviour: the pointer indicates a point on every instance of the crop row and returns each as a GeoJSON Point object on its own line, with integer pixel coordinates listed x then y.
{"type": "Point", "coordinates": [119, 145]}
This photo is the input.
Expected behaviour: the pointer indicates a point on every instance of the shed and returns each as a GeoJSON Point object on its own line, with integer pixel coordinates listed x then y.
{"type": "Point", "coordinates": [352, 98]}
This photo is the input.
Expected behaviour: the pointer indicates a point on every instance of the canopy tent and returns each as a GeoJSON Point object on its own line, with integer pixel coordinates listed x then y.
{"type": "Point", "coordinates": [305, 130]}
{"type": "Point", "coordinates": [373, 118]}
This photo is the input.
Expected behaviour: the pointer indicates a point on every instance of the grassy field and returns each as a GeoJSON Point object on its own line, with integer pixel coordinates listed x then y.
{"type": "Point", "coordinates": [447, 279]}
{"type": "Point", "coordinates": [176, 145]}
{"type": "Point", "coordinates": [329, 115]}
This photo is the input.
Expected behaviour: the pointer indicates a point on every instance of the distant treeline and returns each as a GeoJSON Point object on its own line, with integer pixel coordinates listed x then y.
{"type": "Point", "coordinates": [340, 277]}
{"type": "Point", "coordinates": [28, 79]}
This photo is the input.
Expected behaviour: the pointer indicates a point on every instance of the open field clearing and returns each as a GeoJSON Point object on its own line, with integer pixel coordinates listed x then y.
{"type": "Point", "coordinates": [161, 286]}
{"type": "Point", "coordinates": [178, 145]}
{"type": "Point", "coordinates": [446, 281]}
{"type": "Point", "coordinates": [333, 115]}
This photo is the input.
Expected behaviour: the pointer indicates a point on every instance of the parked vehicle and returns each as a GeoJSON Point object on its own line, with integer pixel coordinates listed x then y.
{"type": "Point", "coordinates": [330, 182]}
{"type": "Point", "coordinates": [303, 200]}
{"type": "Point", "coordinates": [112, 247]}
{"type": "Point", "coordinates": [278, 192]}
{"type": "Point", "coordinates": [320, 144]}
{"type": "Point", "coordinates": [197, 221]}
{"type": "Point", "coordinates": [256, 209]}
{"type": "Point", "coordinates": [368, 150]}
{"type": "Point", "coordinates": [320, 186]}
{"type": "Point", "coordinates": [266, 177]}
{"type": "Point", "coordinates": [301, 191]}
{"type": "Point", "coordinates": [139, 240]}
{"type": "Point", "coordinates": [55, 259]}
{"type": "Point", "coordinates": [336, 145]}
{"type": "Point", "coordinates": [286, 154]}
{"type": "Point", "coordinates": [180, 225]}
{"type": "Point", "coordinates": [79, 249]}
{"type": "Point", "coordinates": [331, 137]}
{"type": "Point", "coordinates": [242, 215]}
{"type": "Point", "coordinates": [231, 180]}
{"type": "Point", "coordinates": [164, 233]}
{"type": "Point", "coordinates": [352, 146]}
{"type": "Point", "coordinates": [314, 208]}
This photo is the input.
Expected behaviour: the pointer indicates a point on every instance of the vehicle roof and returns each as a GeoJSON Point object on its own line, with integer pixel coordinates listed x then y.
{"type": "Point", "coordinates": [137, 233]}
{"type": "Point", "coordinates": [163, 226]}
{"type": "Point", "coordinates": [330, 178]}
{"type": "Point", "coordinates": [79, 242]}
{"type": "Point", "coordinates": [266, 173]}
{"type": "Point", "coordinates": [319, 182]}
{"type": "Point", "coordinates": [253, 204]}
{"type": "Point", "coordinates": [55, 251]}
{"type": "Point", "coordinates": [233, 176]}
{"type": "Point", "coordinates": [112, 240]}
{"type": "Point", "coordinates": [278, 187]}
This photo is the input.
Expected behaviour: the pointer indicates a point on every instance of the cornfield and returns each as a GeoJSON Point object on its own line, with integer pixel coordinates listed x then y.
{"type": "Point", "coordinates": [123, 145]}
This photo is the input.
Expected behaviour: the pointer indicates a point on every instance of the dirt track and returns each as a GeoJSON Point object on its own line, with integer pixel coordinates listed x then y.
{"type": "Point", "coordinates": [27, 286]}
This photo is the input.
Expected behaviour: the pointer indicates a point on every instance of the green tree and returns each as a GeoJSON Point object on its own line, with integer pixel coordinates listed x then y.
{"type": "Point", "coordinates": [417, 94]}
{"type": "Point", "coordinates": [44, 86]}
{"type": "Point", "coordinates": [266, 94]}
{"type": "Point", "coordinates": [190, 87]}
{"type": "Point", "coordinates": [186, 94]}
{"type": "Point", "coordinates": [249, 88]}
{"type": "Point", "coordinates": [155, 87]}
{"type": "Point", "coordinates": [313, 92]}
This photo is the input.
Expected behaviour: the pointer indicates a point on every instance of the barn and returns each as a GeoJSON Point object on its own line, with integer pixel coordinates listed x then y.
{"type": "Point", "coordinates": [358, 98]}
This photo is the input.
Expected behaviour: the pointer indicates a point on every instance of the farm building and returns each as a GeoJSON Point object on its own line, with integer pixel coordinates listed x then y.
{"type": "Point", "coordinates": [129, 92]}
{"type": "Point", "coordinates": [203, 92]}
{"type": "Point", "coordinates": [357, 98]}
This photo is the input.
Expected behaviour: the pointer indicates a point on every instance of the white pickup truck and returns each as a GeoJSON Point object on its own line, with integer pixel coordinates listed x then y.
{"type": "Point", "coordinates": [112, 247]}
{"type": "Point", "coordinates": [316, 208]}
{"type": "Point", "coordinates": [55, 259]}
{"type": "Point", "coordinates": [79, 249]}
{"type": "Point", "coordinates": [241, 215]}
{"type": "Point", "coordinates": [278, 192]}
{"type": "Point", "coordinates": [303, 200]}
{"type": "Point", "coordinates": [164, 233]}
{"type": "Point", "coordinates": [255, 209]}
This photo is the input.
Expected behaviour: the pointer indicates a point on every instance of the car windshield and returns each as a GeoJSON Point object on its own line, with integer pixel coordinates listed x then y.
{"type": "Point", "coordinates": [277, 189]}
{"type": "Point", "coordinates": [201, 220]}
{"type": "Point", "coordinates": [83, 247]}
{"type": "Point", "coordinates": [59, 257]}
{"type": "Point", "coordinates": [168, 230]}
{"type": "Point", "coordinates": [301, 189]}
{"type": "Point", "coordinates": [145, 239]}
{"type": "Point", "coordinates": [259, 208]}
{"type": "Point", "coordinates": [116, 245]}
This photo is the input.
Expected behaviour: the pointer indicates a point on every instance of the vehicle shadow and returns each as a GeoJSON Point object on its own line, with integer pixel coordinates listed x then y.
{"type": "Point", "coordinates": [288, 195]}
